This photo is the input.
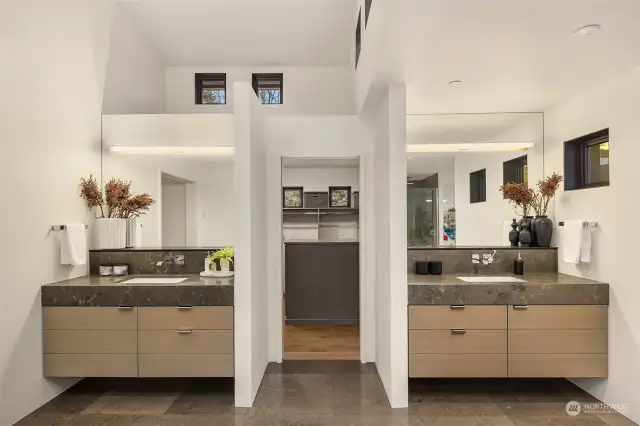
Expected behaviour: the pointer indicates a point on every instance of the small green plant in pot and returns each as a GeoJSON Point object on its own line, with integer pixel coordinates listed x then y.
{"type": "Point", "coordinates": [223, 258]}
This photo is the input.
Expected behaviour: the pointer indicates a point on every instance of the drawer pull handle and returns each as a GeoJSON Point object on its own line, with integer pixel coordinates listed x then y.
{"type": "Point", "coordinates": [521, 307]}
{"type": "Point", "coordinates": [184, 331]}
{"type": "Point", "coordinates": [184, 308]}
{"type": "Point", "coordinates": [458, 331]}
{"type": "Point", "coordinates": [458, 306]}
{"type": "Point", "coordinates": [125, 308]}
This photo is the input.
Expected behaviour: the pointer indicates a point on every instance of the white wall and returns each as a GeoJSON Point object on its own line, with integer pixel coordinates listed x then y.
{"type": "Point", "coordinates": [320, 178]}
{"type": "Point", "coordinates": [495, 211]}
{"type": "Point", "coordinates": [390, 241]}
{"type": "Point", "coordinates": [51, 78]}
{"type": "Point", "coordinates": [614, 250]}
{"type": "Point", "coordinates": [135, 73]}
{"type": "Point", "coordinates": [251, 311]}
{"type": "Point", "coordinates": [306, 90]}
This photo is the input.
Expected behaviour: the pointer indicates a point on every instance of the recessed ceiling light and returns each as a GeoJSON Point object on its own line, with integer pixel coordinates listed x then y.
{"type": "Point", "coordinates": [585, 31]}
{"type": "Point", "coordinates": [454, 82]}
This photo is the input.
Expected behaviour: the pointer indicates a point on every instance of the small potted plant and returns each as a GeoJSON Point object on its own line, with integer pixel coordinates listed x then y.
{"type": "Point", "coordinates": [222, 259]}
{"type": "Point", "coordinates": [115, 207]}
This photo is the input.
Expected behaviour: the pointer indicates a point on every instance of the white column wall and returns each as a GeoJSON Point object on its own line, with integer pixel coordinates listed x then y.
{"type": "Point", "coordinates": [389, 231]}
{"type": "Point", "coordinates": [250, 312]}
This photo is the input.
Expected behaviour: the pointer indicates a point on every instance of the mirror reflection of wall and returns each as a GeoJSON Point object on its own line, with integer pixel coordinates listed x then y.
{"type": "Point", "coordinates": [466, 158]}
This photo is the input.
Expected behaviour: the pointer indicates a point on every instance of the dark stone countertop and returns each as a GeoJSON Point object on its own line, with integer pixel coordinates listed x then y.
{"type": "Point", "coordinates": [106, 291]}
{"type": "Point", "coordinates": [540, 288]}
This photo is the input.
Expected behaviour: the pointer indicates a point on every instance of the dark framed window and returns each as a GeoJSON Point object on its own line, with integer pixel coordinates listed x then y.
{"type": "Point", "coordinates": [367, 9]}
{"type": "Point", "coordinates": [211, 89]}
{"type": "Point", "coordinates": [586, 161]}
{"type": "Point", "coordinates": [268, 87]}
{"type": "Point", "coordinates": [358, 37]}
{"type": "Point", "coordinates": [515, 171]}
{"type": "Point", "coordinates": [478, 186]}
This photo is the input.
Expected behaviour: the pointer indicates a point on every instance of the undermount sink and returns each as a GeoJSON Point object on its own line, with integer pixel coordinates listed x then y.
{"type": "Point", "coordinates": [154, 280]}
{"type": "Point", "coordinates": [489, 279]}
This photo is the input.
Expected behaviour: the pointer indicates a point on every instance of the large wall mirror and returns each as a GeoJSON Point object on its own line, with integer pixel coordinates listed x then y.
{"type": "Point", "coordinates": [456, 164]}
{"type": "Point", "coordinates": [189, 176]}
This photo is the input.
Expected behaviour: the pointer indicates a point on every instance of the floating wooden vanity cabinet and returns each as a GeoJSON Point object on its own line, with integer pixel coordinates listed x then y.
{"type": "Point", "coordinates": [558, 341]}
{"type": "Point", "coordinates": [173, 341]}
{"type": "Point", "coordinates": [90, 342]}
{"type": "Point", "coordinates": [457, 341]}
{"type": "Point", "coordinates": [185, 341]}
{"type": "Point", "coordinates": [508, 341]}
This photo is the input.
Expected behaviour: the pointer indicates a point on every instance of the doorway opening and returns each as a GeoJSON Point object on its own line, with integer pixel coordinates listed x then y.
{"type": "Point", "coordinates": [174, 211]}
{"type": "Point", "coordinates": [321, 258]}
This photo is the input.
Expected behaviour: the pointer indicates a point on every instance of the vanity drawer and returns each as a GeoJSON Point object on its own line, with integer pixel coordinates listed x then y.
{"type": "Point", "coordinates": [189, 318]}
{"type": "Point", "coordinates": [90, 342]}
{"type": "Point", "coordinates": [558, 365]}
{"type": "Point", "coordinates": [89, 318]}
{"type": "Point", "coordinates": [558, 341]}
{"type": "Point", "coordinates": [448, 317]}
{"type": "Point", "coordinates": [90, 365]}
{"type": "Point", "coordinates": [558, 317]}
{"type": "Point", "coordinates": [457, 341]}
{"type": "Point", "coordinates": [185, 365]}
{"type": "Point", "coordinates": [185, 341]}
{"type": "Point", "coordinates": [457, 365]}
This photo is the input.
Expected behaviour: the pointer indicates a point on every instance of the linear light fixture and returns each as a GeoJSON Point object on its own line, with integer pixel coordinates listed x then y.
{"type": "Point", "coordinates": [471, 147]}
{"type": "Point", "coordinates": [200, 151]}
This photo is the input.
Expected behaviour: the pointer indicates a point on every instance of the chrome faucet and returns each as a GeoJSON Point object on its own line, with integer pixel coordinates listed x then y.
{"type": "Point", "coordinates": [173, 259]}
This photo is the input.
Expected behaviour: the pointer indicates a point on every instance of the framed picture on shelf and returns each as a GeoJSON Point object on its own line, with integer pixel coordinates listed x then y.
{"type": "Point", "coordinates": [292, 197]}
{"type": "Point", "coordinates": [339, 196]}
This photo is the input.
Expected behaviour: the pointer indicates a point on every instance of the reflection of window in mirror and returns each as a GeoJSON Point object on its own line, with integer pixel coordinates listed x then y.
{"type": "Point", "coordinates": [478, 186]}
{"type": "Point", "coordinates": [515, 171]}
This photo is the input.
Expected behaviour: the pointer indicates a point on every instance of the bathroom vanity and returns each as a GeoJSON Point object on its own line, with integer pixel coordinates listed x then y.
{"type": "Point", "coordinates": [106, 327]}
{"type": "Point", "coordinates": [541, 324]}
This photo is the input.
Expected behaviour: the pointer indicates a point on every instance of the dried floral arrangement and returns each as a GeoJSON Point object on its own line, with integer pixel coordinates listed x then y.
{"type": "Point", "coordinates": [526, 198]}
{"type": "Point", "coordinates": [519, 195]}
{"type": "Point", "coordinates": [116, 201]}
{"type": "Point", "coordinates": [546, 191]}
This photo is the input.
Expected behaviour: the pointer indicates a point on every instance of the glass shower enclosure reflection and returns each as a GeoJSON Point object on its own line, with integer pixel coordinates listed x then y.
{"type": "Point", "coordinates": [422, 217]}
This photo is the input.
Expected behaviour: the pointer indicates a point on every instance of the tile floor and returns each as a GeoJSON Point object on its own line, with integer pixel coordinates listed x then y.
{"type": "Point", "coordinates": [341, 393]}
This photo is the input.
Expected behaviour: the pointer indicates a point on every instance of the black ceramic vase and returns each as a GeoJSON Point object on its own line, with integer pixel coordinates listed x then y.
{"type": "Point", "coordinates": [514, 234]}
{"type": "Point", "coordinates": [526, 238]}
{"type": "Point", "coordinates": [542, 228]}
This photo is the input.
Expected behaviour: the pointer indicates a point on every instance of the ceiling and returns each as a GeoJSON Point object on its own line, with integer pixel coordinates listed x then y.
{"type": "Point", "coordinates": [247, 32]}
{"type": "Point", "coordinates": [512, 55]}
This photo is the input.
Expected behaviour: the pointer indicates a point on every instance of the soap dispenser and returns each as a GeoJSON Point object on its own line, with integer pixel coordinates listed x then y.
{"type": "Point", "coordinates": [518, 265]}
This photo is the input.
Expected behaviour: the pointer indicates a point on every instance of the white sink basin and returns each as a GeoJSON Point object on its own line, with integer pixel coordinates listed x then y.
{"type": "Point", "coordinates": [486, 279]}
{"type": "Point", "coordinates": [154, 280]}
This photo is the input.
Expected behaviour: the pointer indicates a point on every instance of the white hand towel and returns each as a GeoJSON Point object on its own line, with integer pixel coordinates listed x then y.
{"type": "Point", "coordinates": [73, 245]}
{"type": "Point", "coordinates": [572, 239]}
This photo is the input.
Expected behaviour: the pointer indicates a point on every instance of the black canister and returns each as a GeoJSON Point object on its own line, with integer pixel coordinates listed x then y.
{"type": "Point", "coordinates": [422, 268]}
{"type": "Point", "coordinates": [435, 267]}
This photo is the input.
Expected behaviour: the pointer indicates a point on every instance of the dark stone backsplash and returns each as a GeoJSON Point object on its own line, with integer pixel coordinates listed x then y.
{"type": "Point", "coordinates": [145, 262]}
{"type": "Point", "coordinates": [459, 261]}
